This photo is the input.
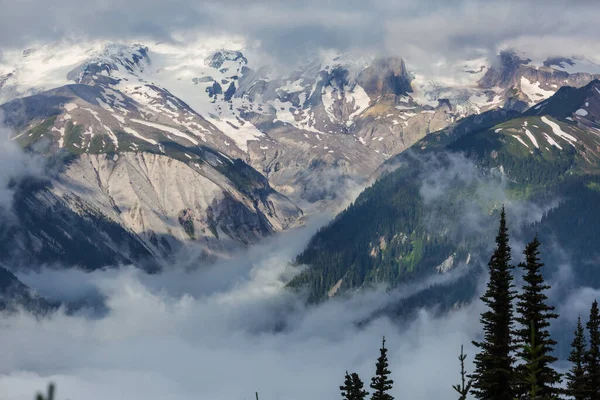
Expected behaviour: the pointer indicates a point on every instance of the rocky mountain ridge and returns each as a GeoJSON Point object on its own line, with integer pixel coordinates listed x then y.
{"type": "Point", "coordinates": [174, 144]}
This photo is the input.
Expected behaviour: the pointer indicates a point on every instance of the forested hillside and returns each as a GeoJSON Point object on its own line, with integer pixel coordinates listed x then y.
{"type": "Point", "coordinates": [432, 213]}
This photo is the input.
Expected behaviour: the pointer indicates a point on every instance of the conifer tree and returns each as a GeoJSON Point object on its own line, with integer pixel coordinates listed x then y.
{"type": "Point", "coordinates": [534, 355]}
{"type": "Point", "coordinates": [576, 379]}
{"type": "Point", "coordinates": [494, 375]}
{"type": "Point", "coordinates": [535, 314]}
{"type": "Point", "coordinates": [381, 383]}
{"type": "Point", "coordinates": [464, 386]}
{"type": "Point", "coordinates": [353, 387]}
{"type": "Point", "coordinates": [592, 359]}
{"type": "Point", "coordinates": [50, 396]}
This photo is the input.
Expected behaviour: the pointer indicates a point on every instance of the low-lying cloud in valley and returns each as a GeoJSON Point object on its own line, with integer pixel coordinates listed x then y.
{"type": "Point", "coordinates": [220, 333]}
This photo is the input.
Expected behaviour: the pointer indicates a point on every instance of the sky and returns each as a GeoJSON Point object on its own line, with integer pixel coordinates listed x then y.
{"type": "Point", "coordinates": [423, 32]}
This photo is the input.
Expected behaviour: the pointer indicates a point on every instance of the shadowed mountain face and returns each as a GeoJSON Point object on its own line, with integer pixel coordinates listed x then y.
{"type": "Point", "coordinates": [14, 295]}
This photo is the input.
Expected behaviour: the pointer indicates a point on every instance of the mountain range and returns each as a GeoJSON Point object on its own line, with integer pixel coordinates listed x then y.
{"type": "Point", "coordinates": [151, 147]}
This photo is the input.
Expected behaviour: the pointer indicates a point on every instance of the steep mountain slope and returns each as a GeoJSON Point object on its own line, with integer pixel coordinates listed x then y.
{"type": "Point", "coordinates": [133, 206]}
{"type": "Point", "coordinates": [156, 185]}
{"type": "Point", "coordinates": [435, 211]}
{"type": "Point", "coordinates": [14, 295]}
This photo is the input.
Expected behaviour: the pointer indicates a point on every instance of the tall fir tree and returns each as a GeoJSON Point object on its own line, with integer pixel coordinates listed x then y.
{"type": "Point", "coordinates": [465, 384]}
{"type": "Point", "coordinates": [576, 378]}
{"type": "Point", "coordinates": [381, 382]}
{"type": "Point", "coordinates": [494, 372]}
{"type": "Point", "coordinates": [353, 387]}
{"type": "Point", "coordinates": [534, 313]}
{"type": "Point", "coordinates": [533, 367]}
{"type": "Point", "coordinates": [592, 359]}
{"type": "Point", "coordinates": [50, 396]}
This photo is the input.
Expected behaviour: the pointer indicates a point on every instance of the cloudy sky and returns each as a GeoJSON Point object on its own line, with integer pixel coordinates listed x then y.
{"type": "Point", "coordinates": [422, 31]}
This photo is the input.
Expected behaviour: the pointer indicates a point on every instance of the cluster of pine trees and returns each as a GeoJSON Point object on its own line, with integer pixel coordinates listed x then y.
{"type": "Point", "coordinates": [514, 359]}
{"type": "Point", "coordinates": [515, 354]}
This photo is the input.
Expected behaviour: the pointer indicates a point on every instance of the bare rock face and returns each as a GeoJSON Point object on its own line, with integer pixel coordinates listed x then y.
{"type": "Point", "coordinates": [152, 194]}
{"type": "Point", "coordinates": [140, 208]}
{"type": "Point", "coordinates": [386, 76]}
{"type": "Point", "coordinates": [527, 84]}
{"type": "Point", "coordinates": [218, 58]}
{"type": "Point", "coordinates": [504, 71]}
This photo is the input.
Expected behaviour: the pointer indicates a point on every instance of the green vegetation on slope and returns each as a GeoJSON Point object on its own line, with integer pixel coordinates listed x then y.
{"type": "Point", "coordinates": [394, 232]}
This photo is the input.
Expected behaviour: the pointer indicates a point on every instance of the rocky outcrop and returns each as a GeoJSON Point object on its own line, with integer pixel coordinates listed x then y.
{"type": "Point", "coordinates": [527, 84]}
{"type": "Point", "coordinates": [386, 76]}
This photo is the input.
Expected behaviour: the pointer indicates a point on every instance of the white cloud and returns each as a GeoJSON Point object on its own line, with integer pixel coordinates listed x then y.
{"type": "Point", "coordinates": [429, 33]}
{"type": "Point", "coordinates": [222, 333]}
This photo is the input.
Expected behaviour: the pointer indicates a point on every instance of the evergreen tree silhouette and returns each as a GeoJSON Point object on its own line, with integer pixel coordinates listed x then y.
{"type": "Point", "coordinates": [50, 396]}
{"type": "Point", "coordinates": [494, 373]}
{"type": "Point", "coordinates": [353, 387]}
{"type": "Point", "coordinates": [576, 377]}
{"type": "Point", "coordinates": [381, 383]}
{"type": "Point", "coordinates": [535, 314]}
{"type": "Point", "coordinates": [464, 386]}
{"type": "Point", "coordinates": [592, 359]}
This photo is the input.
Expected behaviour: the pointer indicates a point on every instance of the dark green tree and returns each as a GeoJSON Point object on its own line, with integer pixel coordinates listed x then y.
{"type": "Point", "coordinates": [533, 367]}
{"type": "Point", "coordinates": [592, 359]}
{"type": "Point", "coordinates": [464, 386]}
{"type": "Point", "coordinates": [353, 387]}
{"type": "Point", "coordinates": [494, 372]}
{"type": "Point", "coordinates": [381, 383]}
{"type": "Point", "coordinates": [534, 313]}
{"type": "Point", "coordinates": [576, 379]}
{"type": "Point", "coordinates": [50, 396]}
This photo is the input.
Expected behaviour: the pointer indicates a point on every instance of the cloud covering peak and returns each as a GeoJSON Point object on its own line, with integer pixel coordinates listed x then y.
{"type": "Point", "coordinates": [430, 31]}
